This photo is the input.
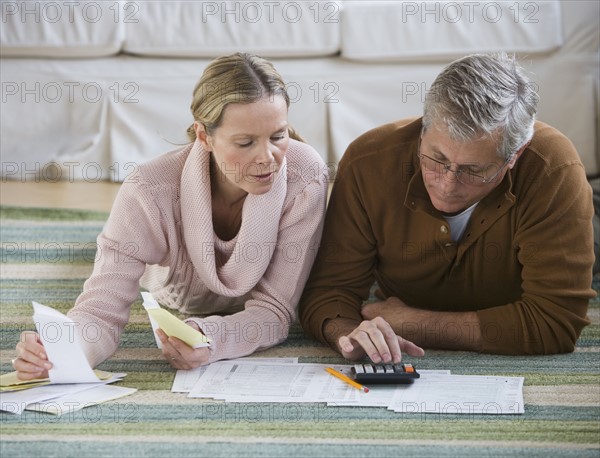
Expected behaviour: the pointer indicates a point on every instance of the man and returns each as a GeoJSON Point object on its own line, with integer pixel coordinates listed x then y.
{"type": "Point", "coordinates": [475, 221]}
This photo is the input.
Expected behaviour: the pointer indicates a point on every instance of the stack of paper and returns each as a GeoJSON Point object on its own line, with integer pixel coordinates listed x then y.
{"type": "Point", "coordinates": [72, 384]}
{"type": "Point", "coordinates": [59, 398]}
{"type": "Point", "coordinates": [256, 380]}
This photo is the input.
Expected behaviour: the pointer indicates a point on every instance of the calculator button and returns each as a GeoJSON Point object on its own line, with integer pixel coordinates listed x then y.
{"type": "Point", "coordinates": [359, 369]}
{"type": "Point", "coordinates": [409, 368]}
{"type": "Point", "coordinates": [368, 369]}
{"type": "Point", "coordinates": [388, 368]}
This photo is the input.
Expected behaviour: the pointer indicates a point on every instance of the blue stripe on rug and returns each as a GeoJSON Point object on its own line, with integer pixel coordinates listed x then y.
{"type": "Point", "coordinates": [278, 450]}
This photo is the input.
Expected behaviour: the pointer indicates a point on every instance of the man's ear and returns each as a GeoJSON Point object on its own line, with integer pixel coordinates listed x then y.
{"type": "Point", "coordinates": [202, 136]}
{"type": "Point", "coordinates": [517, 155]}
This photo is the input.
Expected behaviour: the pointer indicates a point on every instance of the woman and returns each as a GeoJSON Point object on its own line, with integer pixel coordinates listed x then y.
{"type": "Point", "coordinates": [224, 229]}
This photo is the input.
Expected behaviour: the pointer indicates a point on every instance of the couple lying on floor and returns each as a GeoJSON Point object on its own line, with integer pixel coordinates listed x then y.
{"type": "Point", "coordinates": [474, 219]}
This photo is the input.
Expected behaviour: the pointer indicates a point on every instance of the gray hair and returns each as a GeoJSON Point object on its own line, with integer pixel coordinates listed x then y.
{"type": "Point", "coordinates": [484, 96]}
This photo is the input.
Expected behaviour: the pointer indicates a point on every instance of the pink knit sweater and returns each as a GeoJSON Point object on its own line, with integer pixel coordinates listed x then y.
{"type": "Point", "coordinates": [242, 292]}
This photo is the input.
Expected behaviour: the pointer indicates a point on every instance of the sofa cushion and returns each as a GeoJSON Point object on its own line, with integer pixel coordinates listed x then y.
{"type": "Point", "coordinates": [62, 29]}
{"type": "Point", "coordinates": [210, 29]}
{"type": "Point", "coordinates": [93, 119]}
{"type": "Point", "coordinates": [406, 31]}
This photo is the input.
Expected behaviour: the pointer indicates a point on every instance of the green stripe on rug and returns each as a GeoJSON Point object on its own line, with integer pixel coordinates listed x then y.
{"type": "Point", "coordinates": [235, 425]}
{"type": "Point", "coordinates": [50, 214]}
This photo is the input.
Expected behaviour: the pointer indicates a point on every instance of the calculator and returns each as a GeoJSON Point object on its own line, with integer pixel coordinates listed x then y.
{"type": "Point", "coordinates": [371, 374]}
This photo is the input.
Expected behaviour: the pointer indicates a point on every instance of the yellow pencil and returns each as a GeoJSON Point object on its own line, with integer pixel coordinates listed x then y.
{"type": "Point", "coordinates": [348, 380]}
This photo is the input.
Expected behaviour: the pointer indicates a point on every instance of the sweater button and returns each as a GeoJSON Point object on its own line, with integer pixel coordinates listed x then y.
{"type": "Point", "coordinates": [443, 229]}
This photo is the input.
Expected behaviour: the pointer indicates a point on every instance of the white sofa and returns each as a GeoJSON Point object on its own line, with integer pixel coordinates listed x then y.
{"type": "Point", "coordinates": [90, 89]}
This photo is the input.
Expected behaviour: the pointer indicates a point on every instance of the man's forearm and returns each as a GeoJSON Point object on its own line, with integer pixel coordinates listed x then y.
{"type": "Point", "coordinates": [429, 329]}
{"type": "Point", "coordinates": [442, 330]}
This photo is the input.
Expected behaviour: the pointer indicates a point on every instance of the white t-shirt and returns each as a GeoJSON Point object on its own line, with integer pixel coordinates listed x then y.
{"type": "Point", "coordinates": [458, 223]}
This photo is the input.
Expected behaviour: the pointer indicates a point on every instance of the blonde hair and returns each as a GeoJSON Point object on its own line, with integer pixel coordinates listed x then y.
{"type": "Point", "coordinates": [237, 78]}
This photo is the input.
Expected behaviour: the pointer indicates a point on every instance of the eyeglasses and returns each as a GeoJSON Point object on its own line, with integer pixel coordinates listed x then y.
{"type": "Point", "coordinates": [463, 173]}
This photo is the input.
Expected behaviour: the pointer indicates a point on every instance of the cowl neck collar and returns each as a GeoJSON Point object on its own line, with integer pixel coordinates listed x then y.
{"type": "Point", "coordinates": [256, 238]}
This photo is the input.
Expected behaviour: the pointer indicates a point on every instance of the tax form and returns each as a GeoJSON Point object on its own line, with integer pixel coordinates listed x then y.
{"type": "Point", "coordinates": [266, 382]}
{"type": "Point", "coordinates": [380, 395]}
{"type": "Point", "coordinates": [186, 379]}
{"type": "Point", "coordinates": [437, 391]}
{"type": "Point", "coordinates": [461, 394]}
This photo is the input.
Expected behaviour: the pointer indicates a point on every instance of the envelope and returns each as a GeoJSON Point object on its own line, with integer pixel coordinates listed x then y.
{"type": "Point", "coordinates": [171, 325]}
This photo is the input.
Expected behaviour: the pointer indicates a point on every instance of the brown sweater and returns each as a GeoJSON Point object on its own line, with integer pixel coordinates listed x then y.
{"type": "Point", "coordinates": [524, 262]}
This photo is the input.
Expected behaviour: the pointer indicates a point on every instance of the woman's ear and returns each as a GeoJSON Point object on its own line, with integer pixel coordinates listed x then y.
{"type": "Point", "coordinates": [202, 136]}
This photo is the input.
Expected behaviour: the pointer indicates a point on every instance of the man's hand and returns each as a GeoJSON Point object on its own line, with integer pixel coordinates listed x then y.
{"type": "Point", "coordinates": [393, 310]}
{"type": "Point", "coordinates": [179, 354]}
{"type": "Point", "coordinates": [374, 338]}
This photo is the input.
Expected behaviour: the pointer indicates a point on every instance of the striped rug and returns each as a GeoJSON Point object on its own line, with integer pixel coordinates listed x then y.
{"type": "Point", "coordinates": [47, 255]}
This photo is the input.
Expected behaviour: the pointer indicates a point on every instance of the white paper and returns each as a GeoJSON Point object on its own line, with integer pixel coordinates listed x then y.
{"type": "Point", "coordinates": [327, 388]}
{"type": "Point", "coordinates": [17, 401]}
{"type": "Point", "coordinates": [186, 379]}
{"type": "Point", "coordinates": [77, 401]}
{"type": "Point", "coordinates": [461, 394]}
{"type": "Point", "coordinates": [150, 303]}
{"type": "Point", "coordinates": [379, 395]}
{"type": "Point", "coordinates": [272, 382]}
{"type": "Point", "coordinates": [61, 343]}
{"type": "Point", "coordinates": [435, 391]}
{"type": "Point", "coordinates": [267, 382]}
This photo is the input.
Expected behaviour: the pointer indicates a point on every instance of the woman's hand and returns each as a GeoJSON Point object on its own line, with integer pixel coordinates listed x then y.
{"type": "Point", "coordinates": [179, 354]}
{"type": "Point", "coordinates": [31, 361]}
